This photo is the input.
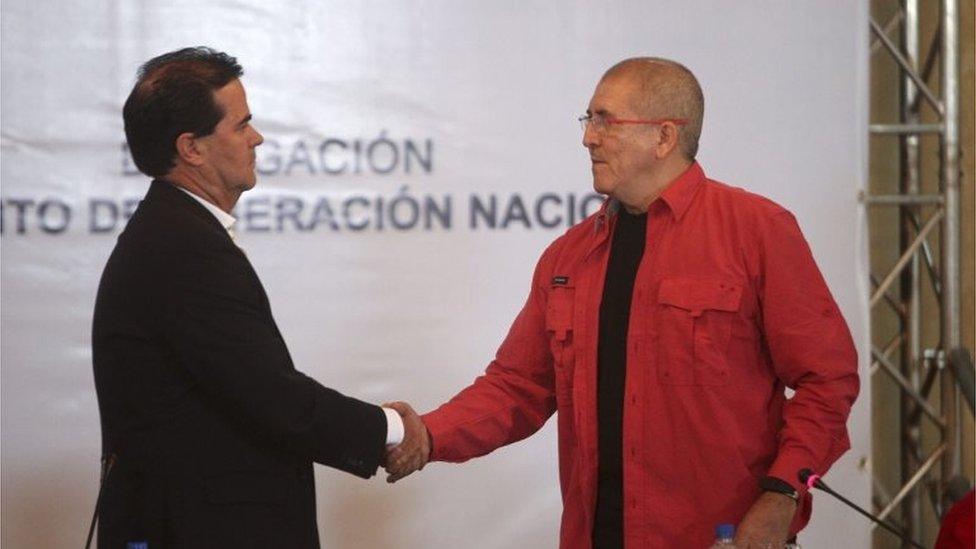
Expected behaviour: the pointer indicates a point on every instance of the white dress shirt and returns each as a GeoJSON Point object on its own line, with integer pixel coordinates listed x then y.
{"type": "Point", "coordinates": [394, 423]}
{"type": "Point", "coordinates": [226, 220]}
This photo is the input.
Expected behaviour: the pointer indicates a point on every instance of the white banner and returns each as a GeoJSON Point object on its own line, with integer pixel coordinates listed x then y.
{"type": "Point", "coordinates": [418, 158]}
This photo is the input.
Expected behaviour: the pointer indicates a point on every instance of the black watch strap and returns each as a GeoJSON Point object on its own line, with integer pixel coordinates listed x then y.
{"type": "Point", "coordinates": [780, 486]}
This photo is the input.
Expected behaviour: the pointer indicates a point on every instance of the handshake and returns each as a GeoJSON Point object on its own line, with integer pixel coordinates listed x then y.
{"type": "Point", "coordinates": [414, 451]}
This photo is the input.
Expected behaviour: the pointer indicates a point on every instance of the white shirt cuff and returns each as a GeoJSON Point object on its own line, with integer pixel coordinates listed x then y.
{"type": "Point", "coordinates": [394, 427]}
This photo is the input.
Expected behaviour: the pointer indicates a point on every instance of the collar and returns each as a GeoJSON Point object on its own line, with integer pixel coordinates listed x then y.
{"type": "Point", "coordinates": [607, 210]}
{"type": "Point", "coordinates": [678, 194]}
{"type": "Point", "coordinates": [226, 220]}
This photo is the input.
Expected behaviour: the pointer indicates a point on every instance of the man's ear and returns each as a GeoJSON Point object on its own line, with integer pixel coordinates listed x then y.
{"type": "Point", "coordinates": [667, 139]}
{"type": "Point", "coordinates": [188, 148]}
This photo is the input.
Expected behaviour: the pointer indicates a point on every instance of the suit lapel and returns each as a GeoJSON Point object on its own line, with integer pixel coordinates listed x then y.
{"type": "Point", "coordinates": [166, 192]}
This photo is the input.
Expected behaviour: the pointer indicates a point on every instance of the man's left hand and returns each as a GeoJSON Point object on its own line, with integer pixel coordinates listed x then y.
{"type": "Point", "coordinates": [767, 524]}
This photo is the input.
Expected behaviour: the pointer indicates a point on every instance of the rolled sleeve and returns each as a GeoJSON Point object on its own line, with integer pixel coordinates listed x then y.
{"type": "Point", "coordinates": [812, 352]}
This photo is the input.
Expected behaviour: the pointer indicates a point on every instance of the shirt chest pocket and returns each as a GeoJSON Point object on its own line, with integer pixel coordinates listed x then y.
{"type": "Point", "coordinates": [560, 308]}
{"type": "Point", "coordinates": [693, 325]}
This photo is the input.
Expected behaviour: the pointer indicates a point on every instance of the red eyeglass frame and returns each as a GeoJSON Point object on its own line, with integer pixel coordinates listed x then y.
{"type": "Point", "coordinates": [587, 118]}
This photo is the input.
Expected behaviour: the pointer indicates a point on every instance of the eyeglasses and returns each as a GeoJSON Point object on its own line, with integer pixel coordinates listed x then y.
{"type": "Point", "coordinates": [600, 123]}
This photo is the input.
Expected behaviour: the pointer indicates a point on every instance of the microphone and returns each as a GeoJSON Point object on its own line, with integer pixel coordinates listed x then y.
{"type": "Point", "coordinates": [807, 477]}
{"type": "Point", "coordinates": [812, 480]}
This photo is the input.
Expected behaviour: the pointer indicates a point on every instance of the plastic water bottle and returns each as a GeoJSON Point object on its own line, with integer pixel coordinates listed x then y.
{"type": "Point", "coordinates": [724, 536]}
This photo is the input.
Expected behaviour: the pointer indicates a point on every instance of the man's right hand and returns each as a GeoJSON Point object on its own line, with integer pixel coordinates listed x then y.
{"type": "Point", "coordinates": [414, 452]}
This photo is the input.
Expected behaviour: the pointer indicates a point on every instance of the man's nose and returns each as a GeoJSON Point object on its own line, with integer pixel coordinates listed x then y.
{"type": "Point", "coordinates": [590, 137]}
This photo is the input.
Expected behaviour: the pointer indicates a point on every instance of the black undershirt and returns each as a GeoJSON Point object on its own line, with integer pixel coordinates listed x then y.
{"type": "Point", "coordinates": [626, 251]}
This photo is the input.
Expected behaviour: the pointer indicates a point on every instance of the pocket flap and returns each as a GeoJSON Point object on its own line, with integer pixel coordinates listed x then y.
{"type": "Point", "coordinates": [697, 295]}
{"type": "Point", "coordinates": [559, 309]}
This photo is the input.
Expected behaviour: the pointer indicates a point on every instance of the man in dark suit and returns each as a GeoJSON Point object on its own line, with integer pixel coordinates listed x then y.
{"type": "Point", "coordinates": [210, 429]}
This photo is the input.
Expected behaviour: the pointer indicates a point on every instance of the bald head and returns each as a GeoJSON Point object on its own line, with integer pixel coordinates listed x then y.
{"type": "Point", "coordinates": [667, 90]}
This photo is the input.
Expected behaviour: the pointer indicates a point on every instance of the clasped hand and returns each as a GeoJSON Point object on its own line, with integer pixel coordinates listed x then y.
{"type": "Point", "coordinates": [414, 452]}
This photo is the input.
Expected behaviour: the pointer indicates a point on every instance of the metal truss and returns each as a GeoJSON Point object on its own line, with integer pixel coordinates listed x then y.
{"type": "Point", "coordinates": [929, 388]}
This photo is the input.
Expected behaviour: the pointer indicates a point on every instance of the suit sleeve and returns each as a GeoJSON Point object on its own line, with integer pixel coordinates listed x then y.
{"type": "Point", "coordinates": [512, 399]}
{"type": "Point", "coordinates": [215, 316]}
{"type": "Point", "coordinates": [811, 350]}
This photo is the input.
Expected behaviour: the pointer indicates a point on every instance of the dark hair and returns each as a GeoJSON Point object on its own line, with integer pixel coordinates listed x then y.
{"type": "Point", "coordinates": [174, 95]}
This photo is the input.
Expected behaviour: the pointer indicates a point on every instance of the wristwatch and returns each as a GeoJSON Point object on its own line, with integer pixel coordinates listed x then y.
{"type": "Point", "coordinates": [780, 486]}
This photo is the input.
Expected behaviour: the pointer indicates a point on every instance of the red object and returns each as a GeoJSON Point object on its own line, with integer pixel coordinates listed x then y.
{"type": "Point", "coordinates": [812, 480]}
{"type": "Point", "coordinates": [601, 121]}
{"type": "Point", "coordinates": [958, 526]}
{"type": "Point", "coordinates": [729, 308]}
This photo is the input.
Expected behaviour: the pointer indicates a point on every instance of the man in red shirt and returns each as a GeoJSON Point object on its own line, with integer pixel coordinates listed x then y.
{"type": "Point", "coordinates": [664, 331]}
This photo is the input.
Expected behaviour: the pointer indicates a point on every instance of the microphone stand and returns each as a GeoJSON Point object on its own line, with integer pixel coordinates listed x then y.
{"type": "Point", "coordinates": [807, 477]}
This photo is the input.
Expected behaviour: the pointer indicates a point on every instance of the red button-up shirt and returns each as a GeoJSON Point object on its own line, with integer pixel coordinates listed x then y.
{"type": "Point", "coordinates": [728, 310]}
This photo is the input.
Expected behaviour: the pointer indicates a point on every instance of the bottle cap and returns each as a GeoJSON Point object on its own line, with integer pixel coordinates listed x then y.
{"type": "Point", "coordinates": [725, 531]}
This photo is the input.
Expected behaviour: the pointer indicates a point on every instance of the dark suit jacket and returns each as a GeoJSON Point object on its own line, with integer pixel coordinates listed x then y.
{"type": "Point", "coordinates": [214, 429]}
